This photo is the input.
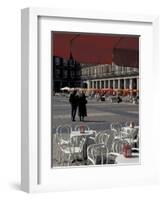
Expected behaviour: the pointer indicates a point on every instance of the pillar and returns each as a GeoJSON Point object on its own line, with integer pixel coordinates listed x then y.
{"type": "Point", "coordinates": [113, 84]}
{"type": "Point", "coordinates": [104, 83]}
{"type": "Point", "coordinates": [130, 84]}
{"type": "Point", "coordinates": [119, 84]}
{"type": "Point", "coordinates": [108, 83]}
{"type": "Point", "coordinates": [137, 83]}
{"type": "Point", "coordinates": [100, 84]}
{"type": "Point", "coordinates": [124, 83]}
{"type": "Point", "coordinates": [88, 84]}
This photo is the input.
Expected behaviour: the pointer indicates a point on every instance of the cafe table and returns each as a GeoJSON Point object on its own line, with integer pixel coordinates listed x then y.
{"type": "Point", "coordinates": [85, 133]}
{"type": "Point", "coordinates": [128, 129]}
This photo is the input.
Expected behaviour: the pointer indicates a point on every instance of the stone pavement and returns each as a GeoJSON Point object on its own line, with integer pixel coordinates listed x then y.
{"type": "Point", "coordinates": [100, 114]}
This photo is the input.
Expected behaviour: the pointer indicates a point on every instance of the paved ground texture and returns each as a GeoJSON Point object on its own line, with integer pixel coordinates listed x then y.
{"type": "Point", "coordinates": [100, 114]}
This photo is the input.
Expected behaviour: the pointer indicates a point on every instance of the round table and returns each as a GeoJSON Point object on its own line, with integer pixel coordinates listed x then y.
{"type": "Point", "coordinates": [86, 133]}
{"type": "Point", "coordinates": [128, 129]}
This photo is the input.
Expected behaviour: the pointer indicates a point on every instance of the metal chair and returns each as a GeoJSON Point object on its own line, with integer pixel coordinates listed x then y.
{"type": "Point", "coordinates": [98, 155]}
{"type": "Point", "coordinates": [127, 123]}
{"type": "Point", "coordinates": [106, 138]}
{"type": "Point", "coordinates": [99, 137]}
{"type": "Point", "coordinates": [134, 140]}
{"type": "Point", "coordinates": [74, 150]}
{"type": "Point", "coordinates": [109, 140]}
{"type": "Point", "coordinates": [63, 133]}
{"type": "Point", "coordinates": [117, 146]}
{"type": "Point", "coordinates": [77, 144]}
{"type": "Point", "coordinates": [132, 136]}
{"type": "Point", "coordinates": [116, 128]}
{"type": "Point", "coordinates": [63, 141]}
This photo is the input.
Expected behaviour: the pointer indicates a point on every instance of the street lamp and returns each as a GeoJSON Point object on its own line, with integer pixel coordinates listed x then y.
{"type": "Point", "coordinates": [71, 56]}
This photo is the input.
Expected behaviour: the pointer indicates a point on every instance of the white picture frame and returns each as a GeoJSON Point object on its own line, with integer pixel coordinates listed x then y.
{"type": "Point", "coordinates": [36, 171]}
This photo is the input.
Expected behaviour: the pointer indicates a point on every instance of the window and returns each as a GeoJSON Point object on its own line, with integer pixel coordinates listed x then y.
{"type": "Point", "coordinates": [65, 62]}
{"type": "Point", "coordinates": [65, 74]}
{"type": "Point", "coordinates": [57, 72]}
{"type": "Point", "coordinates": [71, 62]}
{"type": "Point", "coordinates": [57, 61]}
{"type": "Point", "coordinates": [72, 73]}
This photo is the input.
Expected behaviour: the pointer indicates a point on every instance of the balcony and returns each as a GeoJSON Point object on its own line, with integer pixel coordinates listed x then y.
{"type": "Point", "coordinates": [110, 74]}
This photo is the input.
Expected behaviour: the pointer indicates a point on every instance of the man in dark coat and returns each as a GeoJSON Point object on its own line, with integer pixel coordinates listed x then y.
{"type": "Point", "coordinates": [74, 101]}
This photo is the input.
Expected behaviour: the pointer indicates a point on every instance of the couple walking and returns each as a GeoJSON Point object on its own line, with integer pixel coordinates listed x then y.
{"type": "Point", "coordinates": [78, 101]}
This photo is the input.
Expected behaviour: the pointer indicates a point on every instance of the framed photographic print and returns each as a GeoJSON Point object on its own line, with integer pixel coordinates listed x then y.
{"type": "Point", "coordinates": [86, 93]}
{"type": "Point", "coordinates": [95, 99]}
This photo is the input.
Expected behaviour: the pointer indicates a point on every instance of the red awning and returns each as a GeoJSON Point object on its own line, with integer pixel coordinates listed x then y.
{"type": "Point", "coordinates": [95, 48]}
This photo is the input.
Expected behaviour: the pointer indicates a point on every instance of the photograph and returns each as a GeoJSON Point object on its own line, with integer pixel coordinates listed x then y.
{"type": "Point", "coordinates": [94, 99]}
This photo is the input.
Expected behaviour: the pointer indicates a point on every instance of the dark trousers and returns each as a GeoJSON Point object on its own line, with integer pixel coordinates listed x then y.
{"type": "Point", "coordinates": [73, 111]}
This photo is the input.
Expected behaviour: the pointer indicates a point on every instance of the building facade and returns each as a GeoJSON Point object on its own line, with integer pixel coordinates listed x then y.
{"type": "Point", "coordinates": [69, 73]}
{"type": "Point", "coordinates": [66, 73]}
{"type": "Point", "coordinates": [110, 76]}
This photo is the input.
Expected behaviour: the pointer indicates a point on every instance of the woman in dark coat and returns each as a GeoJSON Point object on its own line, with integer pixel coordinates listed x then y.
{"type": "Point", "coordinates": [82, 106]}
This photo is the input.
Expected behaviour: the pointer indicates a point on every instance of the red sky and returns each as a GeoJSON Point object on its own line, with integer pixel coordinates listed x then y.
{"type": "Point", "coordinates": [95, 48]}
